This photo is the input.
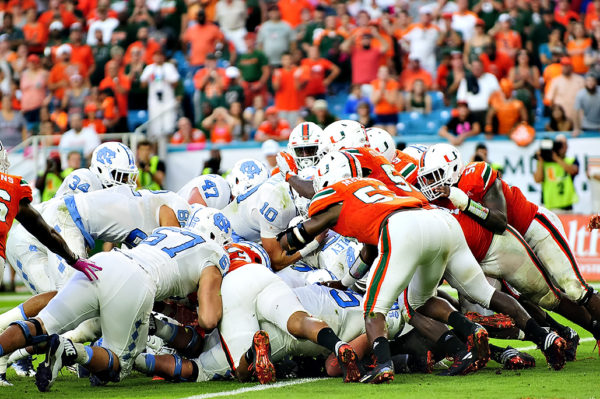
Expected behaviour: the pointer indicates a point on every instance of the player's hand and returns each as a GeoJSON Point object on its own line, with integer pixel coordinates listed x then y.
{"type": "Point", "coordinates": [443, 190]}
{"type": "Point", "coordinates": [337, 284]}
{"type": "Point", "coordinates": [88, 268]}
{"type": "Point", "coordinates": [287, 165]}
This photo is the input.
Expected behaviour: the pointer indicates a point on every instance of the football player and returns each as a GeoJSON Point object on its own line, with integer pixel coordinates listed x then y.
{"type": "Point", "coordinates": [207, 190]}
{"type": "Point", "coordinates": [484, 198]}
{"type": "Point", "coordinates": [164, 264]}
{"type": "Point", "coordinates": [246, 174]}
{"type": "Point", "coordinates": [341, 203]}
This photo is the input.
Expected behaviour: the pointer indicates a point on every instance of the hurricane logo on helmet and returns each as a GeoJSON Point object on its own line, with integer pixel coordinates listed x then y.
{"type": "Point", "coordinates": [105, 155]}
{"type": "Point", "coordinates": [250, 169]}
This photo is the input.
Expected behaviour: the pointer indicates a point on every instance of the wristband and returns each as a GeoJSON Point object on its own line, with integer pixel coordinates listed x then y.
{"type": "Point", "coordinates": [358, 269]}
{"type": "Point", "coordinates": [348, 280]}
{"type": "Point", "coordinates": [458, 198]}
{"type": "Point", "coordinates": [309, 248]}
{"type": "Point", "coordinates": [476, 209]}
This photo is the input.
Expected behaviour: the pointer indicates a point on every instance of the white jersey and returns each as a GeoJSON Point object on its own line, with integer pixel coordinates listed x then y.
{"type": "Point", "coordinates": [175, 258]}
{"type": "Point", "coordinates": [214, 190]}
{"type": "Point", "coordinates": [79, 181]}
{"type": "Point", "coordinates": [120, 214]}
{"type": "Point", "coordinates": [263, 211]}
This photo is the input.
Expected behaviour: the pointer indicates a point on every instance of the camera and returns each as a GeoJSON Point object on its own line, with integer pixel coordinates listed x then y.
{"type": "Point", "coordinates": [548, 147]}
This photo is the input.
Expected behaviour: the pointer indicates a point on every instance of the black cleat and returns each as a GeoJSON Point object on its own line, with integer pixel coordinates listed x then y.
{"type": "Point", "coordinates": [554, 350]}
{"type": "Point", "coordinates": [60, 353]}
{"type": "Point", "coordinates": [478, 344]}
{"type": "Point", "coordinates": [572, 340]}
{"type": "Point", "coordinates": [464, 363]}
{"type": "Point", "coordinates": [348, 362]}
{"type": "Point", "coordinates": [382, 372]}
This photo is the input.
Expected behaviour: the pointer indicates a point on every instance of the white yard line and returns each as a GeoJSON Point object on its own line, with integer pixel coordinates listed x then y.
{"type": "Point", "coordinates": [529, 348]}
{"type": "Point", "coordinates": [255, 388]}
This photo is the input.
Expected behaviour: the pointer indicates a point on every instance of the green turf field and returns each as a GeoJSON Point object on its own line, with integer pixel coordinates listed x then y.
{"type": "Point", "coordinates": [580, 379]}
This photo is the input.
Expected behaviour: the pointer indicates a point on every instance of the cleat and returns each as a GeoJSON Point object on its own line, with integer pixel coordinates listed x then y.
{"type": "Point", "coordinates": [554, 350]}
{"type": "Point", "coordinates": [495, 321]}
{"type": "Point", "coordinates": [348, 362]}
{"type": "Point", "coordinates": [382, 372]}
{"type": "Point", "coordinates": [572, 340]}
{"type": "Point", "coordinates": [262, 366]}
{"type": "Point", "coordinates": [512, 359]}
{"type": "Point", "coordinates": [24, 367]}
{"type": "Point", "coordinates": [60, 353]}
{"type": "Point", "coordinates": [4, 382]}
{"type": "Point", "coordinates": [464, 363]}
{"type": "Point", "coordinates": [424, 364]}
{"type": "Point", "coordinates": [478, 344]}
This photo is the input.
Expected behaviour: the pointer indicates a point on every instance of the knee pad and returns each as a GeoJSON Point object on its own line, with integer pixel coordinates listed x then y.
{"type": "Point", "coordinates": [549, 301]}
{"type": "Point", "coordinates": [30, 339]}
{"type": "Point", "coordinates": [194, 347]}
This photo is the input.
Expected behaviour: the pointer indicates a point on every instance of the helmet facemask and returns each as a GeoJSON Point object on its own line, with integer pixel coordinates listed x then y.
{"type": "Point", "coordinates": [429, 180]}
{"type": "Point", "coordinates": [4, 162]}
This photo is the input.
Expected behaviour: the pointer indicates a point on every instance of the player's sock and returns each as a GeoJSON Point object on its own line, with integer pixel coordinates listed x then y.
{"type": "Point", "coordinates": [145, 363]}
{"type": "Point", "coordinates": [328, 339]}
{"type": "Point", "coordinates": [563, 331]}
{"type": "Point", "coordinates": [165, 330]}
{"type": "Point", "coordinates": [381, 350]}
{"type": "Point", "coordinates": [463, 326]}
{"type": "Point", "coordinates": [83, 353]}
{"type": "Point", "coordinates": [496, 351]}
{"type": "Point", "coordinates": [87, 331]}
{"type": "Point", "coordinates": [18, 355]}
{"type": "Point", "coordinates": [450, 345]}
{"type": "Point", "coordinates": [15, 314]}
{"type": "Point", "coordinates": [534, 332]}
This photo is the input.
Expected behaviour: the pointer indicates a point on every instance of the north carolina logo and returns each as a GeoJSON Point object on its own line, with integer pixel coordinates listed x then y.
{"type": "Point", "coordinates": [250, 169]}
{"type": "Point", "coordinates": [105, 156]}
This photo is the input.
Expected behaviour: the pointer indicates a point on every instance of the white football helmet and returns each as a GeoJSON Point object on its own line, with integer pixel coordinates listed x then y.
{"type": "Point", "coordinates": [440, 165]}
{"type": "Point", "coordinates": [114, 164]}
{"type": "Point", "coordinates": [304, 143]}
{"type": "Point", "coordinates": [415, 150]}
{"type": "Point", "coordinates": [382, 142]}
{"type": "Point", "coordinates": [334, 167]}
{"type": "Point", "coordinates": [248, 252]}
{"type": "Point", "coordinates": [246, 173]}
{"type": "Point", "coordinates": [4, 163]}
{"type": "Point", "coordinates": [209, 223]}
{"type": "Point", "coordinates": [342, 134]}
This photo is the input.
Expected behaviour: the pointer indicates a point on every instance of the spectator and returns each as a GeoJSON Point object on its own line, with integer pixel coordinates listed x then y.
{"type": "Point", "coordinates": [203, 38]}
{"type": "Point", "coordinates": [475, 46]}
{"type": "Point", "coordinates": [255, 115]}
{"type": "Point", "coordinates": [563, 13]}
{"type": "Point", "coordinates": [413, 72]}
{"type": "Point", "coordinates": [456, 74]}
{"type": "Point", "coordinates": [101, 53]}
{"type": "Point", "coordinates": [463, 20]}
{"type": "Point", "coordinates": [321, 72]}
{"type": "Point", "coordinates": [33, 85]}
{"type": "Point", "coordinates": [476, 88]}
{"type": "Point", "coordinates": [151, 169]}
{"type": "Point", "coordinates": [35, 32]}
{"type": "Point", "coordinates": [275, 36]}
{"type": "Point", "coordinates": [235, 87]}
{"type": "Point", "coordinates": [161, 78]}
{"type": "Point", "coordinates": [12, 124]}
{"type": "Point", "coordinates": [137, 97]}
{"type": "Point", "coordinates": [75, 95]}
{"type": "Point", "coordinates": [329, 39]}
{"type": "Point", "coordinates": [210, 83]}
{"type": "Point", "coordinates": [463, 125]}
{"type": "Point", "coordinates": [587, 107]}
{"type": "Point", "coordinates": [507, 40]}
{"type": "Point", "coordinates": [540, 32]}
{"type": "Point", "coordinates": [241, 127]}
{"type": "Point", "coordinates": [91, 118]}
{"type": "Point", "coordinates": [422, 38]}
{"type": "Point", "coordinates": [254, 68]}
{"type": "Point", "coordinates": [186, 133]}
{"type": "Point", "coordinates": [118, 82]}
{"type": "Point", "coordinates": [81, 53]}
{"type": "Point", "coordinates": [288, 83]}
{"type": "Point", "coordinates": [5, 55]}
{"type": "Point", "coordinates": [220, 125]}
{"type": "Point", "coordinates": [50, 180]}
{"type": "Point", "coordinates": [505, 111]}
{"type": "Point", "coordinates": [365, 58]}
{"type": "Point", "coordinates": [73, 162]}
{"type": "Point", "coordinates": [57, 12]}
{"type": "Point", "coordinates": [212, 166]}
{"type": "Point", "coordinates": [577, 48]}
{"type": "Point", "coordinates": [554, 45]}
{"type": "Point", "coordinates": [386, 99]}
{"type": "Point", "coordinates": [363, 111]}
{"type": "Point", "coordinates": [418, 99]}
{"type": "Point", "coordinates": [496, 63]}
{"type": "Point", "coordinates": [592, 55]}
{"type": "Point", "coordinates": [144, 43]}
{"type": "Point", "coordinates": [555, 171]}
{"type": "Point", "coordinates": [558, 120]}
{"type": "Point", "coordinates": [104, 22]}
{"type": "Point", "coordinates": [525, 79]}
{"type": "Point", "coordinates": [564, 88]}
{"type": "Point", "coordinates": [231, 16]}
{"type": "Point", "coordinates": [354, 99]}
{"type": "Point", "coordinates": [450, 39]}
{"type": "Point", "coordinates": [79, 138]}
{"type": "Point", "coordinates": [14, 34]}
{"type": "Point", "coordinates": [291, 10]}
{"type": "Point", "coordinates": [273, 127]}
{"type": "Point", "coordinates": [270, 149]}
{"type": "Point", "coordinates": [58, 80]}
{"type": "Point", "coordinates": [319, 114]}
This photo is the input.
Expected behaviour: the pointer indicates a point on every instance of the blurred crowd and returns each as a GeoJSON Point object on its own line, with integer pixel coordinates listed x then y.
{"type": "Point", "coordinates": [200, 71]}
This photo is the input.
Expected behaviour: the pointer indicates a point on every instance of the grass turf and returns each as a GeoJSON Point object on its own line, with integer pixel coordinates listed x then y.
{"type": "Point", "coordinates": [579, 379]}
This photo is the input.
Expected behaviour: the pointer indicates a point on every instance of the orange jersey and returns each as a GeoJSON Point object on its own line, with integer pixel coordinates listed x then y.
{"type": "Point", "coordinates": [382, 170]}
{"type": "Point", "coordinates": [12, 191]}
{"type": "Point", "coordinates": [477, 179]}
{"type": "Point", "coordinates": [366, 203]}
{"type": "Point", "coordinates": [407, 166]}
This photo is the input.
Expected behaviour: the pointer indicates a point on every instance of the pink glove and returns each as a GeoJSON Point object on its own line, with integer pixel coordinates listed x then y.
{"type": "Point", "coordinates": [87, 267]}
